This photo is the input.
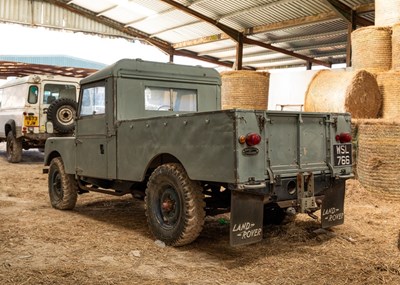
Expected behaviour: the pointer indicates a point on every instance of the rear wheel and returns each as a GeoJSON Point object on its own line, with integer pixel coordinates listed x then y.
{"type": "Point", "coordinates": [14, 148]}
{"type": "Point", "coordinates": [174, 205]}
{"type": "Point", "coordinates": [63, 188]}
{"type": "Point", "coordinates": [273, 214]}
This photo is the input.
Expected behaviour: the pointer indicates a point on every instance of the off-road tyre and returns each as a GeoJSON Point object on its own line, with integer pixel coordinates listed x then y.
{"type": "Point", "coordinates": [273, 214]}
{"type": "Point", "coordinates": [62, 114]}
{"type": "Point", "coordinates": [174, 205]}
{"type": "Point", "coordinates": [14, 148]}
{"type": "Point", "coordinates": [63, 188]}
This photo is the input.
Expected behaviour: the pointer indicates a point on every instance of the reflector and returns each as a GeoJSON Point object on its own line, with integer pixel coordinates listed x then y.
{"type": "Point", "coordinates": [253, 139]}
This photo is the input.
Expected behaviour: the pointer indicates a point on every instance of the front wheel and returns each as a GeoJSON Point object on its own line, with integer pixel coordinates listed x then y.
{"type": "Point", "coordinates": [14, 148]}
{"type": "Point", "coordinates": [63, 189]}
{"type": "Point", "coordinates": [174, 205]}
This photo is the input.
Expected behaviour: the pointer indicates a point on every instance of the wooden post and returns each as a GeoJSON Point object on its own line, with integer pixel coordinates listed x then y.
{"type": "Point", "coordinates": [350, 28]}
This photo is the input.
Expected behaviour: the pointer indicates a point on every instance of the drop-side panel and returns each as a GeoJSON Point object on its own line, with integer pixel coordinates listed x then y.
{"type": "Point", "coordinates": [202, 142]}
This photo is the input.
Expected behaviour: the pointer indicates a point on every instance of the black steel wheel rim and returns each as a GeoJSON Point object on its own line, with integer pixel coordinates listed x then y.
{"type": "Point", "coordinates": [169, 209]}
{"type": "Point", "coordinates": [56, 185]}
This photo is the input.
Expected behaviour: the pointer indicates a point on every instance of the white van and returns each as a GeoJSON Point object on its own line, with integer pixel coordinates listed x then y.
{"type": "Point", "coordinates": [34, 108]}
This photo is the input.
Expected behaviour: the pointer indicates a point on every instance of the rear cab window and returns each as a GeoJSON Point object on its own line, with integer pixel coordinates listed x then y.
{"type": "Point", "coordinates": [53, 92]}
{"type": "Point", "coordinates": [170, 99]}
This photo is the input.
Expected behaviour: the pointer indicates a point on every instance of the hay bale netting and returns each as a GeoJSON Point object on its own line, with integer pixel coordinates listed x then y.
{"type": "Point", "coordinates": [389, 85]}
{"type": "Point", "coordinates": [355, 124]}
{"type": "Point", "coordinates": [372, 48]}
{"type": "Point", "coordinates": [378, 160]}
{"type": "Point", "coordinates": [355, 92]}
{"type": "Point", "coordinates": [387, 12]}
{"type": "Point", "coordinates": [244, 89]}
{"type": "Point", "coordinates": [396, 47]}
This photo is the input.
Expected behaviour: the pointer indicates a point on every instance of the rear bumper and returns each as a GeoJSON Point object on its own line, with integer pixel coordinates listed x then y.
{"type": "Point", "coordinates": [309, 194]}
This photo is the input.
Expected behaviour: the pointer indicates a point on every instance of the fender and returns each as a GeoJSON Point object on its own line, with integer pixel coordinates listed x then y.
{"type": "Point", "coordinates": [63, 147]}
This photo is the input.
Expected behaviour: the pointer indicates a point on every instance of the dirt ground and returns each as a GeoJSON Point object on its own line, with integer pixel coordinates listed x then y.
{"type": "Point", "coordinates": [105, 240]}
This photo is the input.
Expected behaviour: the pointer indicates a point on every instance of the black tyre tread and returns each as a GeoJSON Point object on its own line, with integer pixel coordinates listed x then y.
{"type": "Point", "coordinates": [69, 186]}
{"type": "Point", "coordinates": [52, 114]}
{"type": "Point", "coordinates": [14, 151]}
{"type": "Point", "coordinates": [194, 209]}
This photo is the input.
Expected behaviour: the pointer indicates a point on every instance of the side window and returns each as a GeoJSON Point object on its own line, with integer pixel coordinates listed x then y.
{"type": "Point", "coordinates": [33, 94]}
{"type": "Point", "coordinates": [93, 101]}
{"type": "Point", "coordinates": [170, 99]}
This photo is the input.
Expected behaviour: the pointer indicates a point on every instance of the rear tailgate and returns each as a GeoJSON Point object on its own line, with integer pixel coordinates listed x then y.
{"type": "Point", "coordinates": [292, 142]}
{"type": "Point", "coordinates": [306, 142]}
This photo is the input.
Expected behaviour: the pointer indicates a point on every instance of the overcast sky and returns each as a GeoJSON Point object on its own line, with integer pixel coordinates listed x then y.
{"type": "Point", "coordinates": [21, 40]}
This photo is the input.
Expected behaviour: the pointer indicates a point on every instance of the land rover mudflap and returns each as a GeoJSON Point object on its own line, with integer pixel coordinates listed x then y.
{"type": "Point", "coordinates": [306, 174]}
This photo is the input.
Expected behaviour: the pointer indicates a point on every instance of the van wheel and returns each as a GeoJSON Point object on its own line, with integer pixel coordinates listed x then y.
{"type": "Point", "coordinates": [174, 205]}
{"type": "Point", "coordinates": [14, 148]}
{"type": "Point", "coordinates": [63, 188]}
{"type": "Point", "coordinates": [62, 114]}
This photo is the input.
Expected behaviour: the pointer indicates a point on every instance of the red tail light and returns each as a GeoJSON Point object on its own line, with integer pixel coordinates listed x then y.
{"type": "Point", "coordinates": [253, 139]}
{"type": "Point", "coordinates": [344, 138]}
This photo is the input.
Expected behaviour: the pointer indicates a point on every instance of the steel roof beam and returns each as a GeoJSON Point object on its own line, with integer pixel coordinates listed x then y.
{"type": "Point", "coordinates": [164, 46]}
{"type": "Point", "coordinates": [210, 59]}
{"type": "Point", "coordinates": [255, 8]}
{"type": "Point", "coordinates": [267, 53]}
{"type": "Point", "coordinates": [238, 37]}
{"type": "Point", "coordinates": [306, 37]}
{"type": "Point", "coordinates": [287, 58]}
{"type": "Point", "coordinates": [302, 21]}
{"type": "Point", "coordinates": [232, 33]}
{"type": "Point", "coordinates": [345, 12]}
{"type": "Point", "coordinates": [366, 8]}
{"type": "Point", "coordinates": [192, 3]}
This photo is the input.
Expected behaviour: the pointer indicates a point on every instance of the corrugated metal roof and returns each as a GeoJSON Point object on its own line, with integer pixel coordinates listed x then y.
{"type": "Point", "coordinates": [306, 27]}
{"type": "Point", "coordinates": [60, 60]}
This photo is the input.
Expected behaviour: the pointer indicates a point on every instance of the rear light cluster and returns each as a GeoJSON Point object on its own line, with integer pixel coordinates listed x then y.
{"type": "Point", "coordinates": [343, 138]}
{"type": "Point", "coordinates": [250, 139]}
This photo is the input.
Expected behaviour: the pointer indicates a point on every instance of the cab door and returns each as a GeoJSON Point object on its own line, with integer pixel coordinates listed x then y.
{"type": "Point", "coordinates": [95, 136]}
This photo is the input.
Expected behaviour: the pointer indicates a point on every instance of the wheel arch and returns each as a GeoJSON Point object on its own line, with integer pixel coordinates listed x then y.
{"type": "Point", "coordinates": [10, 126]}
{"type": "Point", "coordinates": [158, 160]}
{"type": "Point", "coordinates": [50, 157]}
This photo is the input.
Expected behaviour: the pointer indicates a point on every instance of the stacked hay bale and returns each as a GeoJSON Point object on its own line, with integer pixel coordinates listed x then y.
{"type": "Point", "coordinates": [396, 46]}
{"type": "Point", "coordinates": [355, 92]}
{"type": "Point", "coordinates": [379, 156]}
{"type": "Point", "coordinates": [244, 89]}
{"type": "Point", "coordinates": [387, 12]}
{"type": "Point", "coordinates": [389, 85]}
{"type": "Point", "coordinates": [372, 48]}
{"type": "Point", "coordinates": [377, 142]}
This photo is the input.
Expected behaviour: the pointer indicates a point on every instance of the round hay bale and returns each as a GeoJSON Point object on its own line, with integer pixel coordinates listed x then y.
{"type": "Point", "coordinates": [244, 89]}
{"type": "Point", "coordinates": [372, 48]}
{"type": "Point", "coordinates": [378, 160]}
{"type": "Point", "coordinates": [387, 12]}
{"type": "Point", "coordinates": [355, 92]}
{"type": "Point", "coordinates": [389, 86]}
{"type": "Point", "coordinates": [396, 47]}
